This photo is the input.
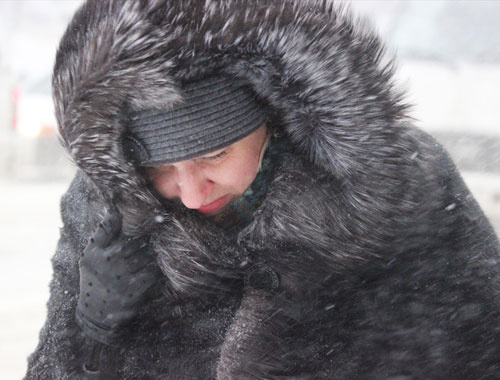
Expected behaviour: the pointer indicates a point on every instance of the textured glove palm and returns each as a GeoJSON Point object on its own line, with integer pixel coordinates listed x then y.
{"type": "Point", "coordinates": [115, 275]}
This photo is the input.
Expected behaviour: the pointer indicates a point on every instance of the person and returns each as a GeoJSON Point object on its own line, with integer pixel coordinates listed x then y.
{"type": "Point", "coordinates": [253, 202]}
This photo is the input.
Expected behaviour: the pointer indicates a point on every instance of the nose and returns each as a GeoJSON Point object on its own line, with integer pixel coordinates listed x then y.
{"type": "Point", "coordinates": [194, 187]}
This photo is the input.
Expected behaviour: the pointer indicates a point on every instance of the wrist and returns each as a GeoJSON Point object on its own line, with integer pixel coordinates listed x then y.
{"type": "Point", "coordinates": [96, 331]}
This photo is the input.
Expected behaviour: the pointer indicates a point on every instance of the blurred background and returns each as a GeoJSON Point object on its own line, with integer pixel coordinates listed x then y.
{"type": "Point", "coordinates": [449, 64]}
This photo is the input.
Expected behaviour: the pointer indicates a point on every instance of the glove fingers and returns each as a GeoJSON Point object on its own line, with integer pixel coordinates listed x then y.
{"type": "Point", "coordinates": [134, 285]}
{"type": "Point", "coordinates": [132, 254]}
{"type": "Point", "coordinates": [128, 295]}
{"type": "Point", "coordinates": [138, 264]}
{"type": "Point", "coordinates": [122, 248]}
{"type": "Point", "coordinates": [135, 255]}
{"type": "Point", "coordinates": [133, 247]}
{"type": "Point", "coordinates": [143, 281]}
{"type": "Point", "coordinates": [108, 229]}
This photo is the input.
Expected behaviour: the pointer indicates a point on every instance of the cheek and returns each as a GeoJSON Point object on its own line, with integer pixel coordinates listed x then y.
{"type": "Point", "coordinates": [165, 185]}
{"type": "Point", "coordinates": [240, 175]}
{"type": "Point", "coordinates": [247, 176]}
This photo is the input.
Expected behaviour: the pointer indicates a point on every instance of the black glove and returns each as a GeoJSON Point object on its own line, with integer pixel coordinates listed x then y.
{"type": "Point", "coordinates": [114, 280]}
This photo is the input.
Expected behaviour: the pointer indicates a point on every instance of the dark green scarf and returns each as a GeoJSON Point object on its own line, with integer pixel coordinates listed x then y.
{"type": "Point", "coordinates": [240, 212]}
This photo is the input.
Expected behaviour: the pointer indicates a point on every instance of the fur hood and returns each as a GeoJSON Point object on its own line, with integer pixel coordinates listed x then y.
{"type": "Point", "coordinates": [323, 75]}
{"type": "Point", "coordinates": [328, 89]}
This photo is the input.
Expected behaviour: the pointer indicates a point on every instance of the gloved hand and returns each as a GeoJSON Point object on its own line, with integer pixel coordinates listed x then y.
{"type": "Point", "coordinates": [114, 280]}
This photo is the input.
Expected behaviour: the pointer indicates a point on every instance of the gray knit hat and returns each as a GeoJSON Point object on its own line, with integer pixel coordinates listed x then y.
{"type": "Point", "coordinates": [216, 112]}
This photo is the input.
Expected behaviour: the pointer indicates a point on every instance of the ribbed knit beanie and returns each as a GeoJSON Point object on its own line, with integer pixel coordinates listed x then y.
{"type": "Point", "coordinates": [216, 112]}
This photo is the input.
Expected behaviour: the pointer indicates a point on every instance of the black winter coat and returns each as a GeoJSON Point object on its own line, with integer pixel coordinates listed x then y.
{"type": "Point", "coordinates": [380, 264]}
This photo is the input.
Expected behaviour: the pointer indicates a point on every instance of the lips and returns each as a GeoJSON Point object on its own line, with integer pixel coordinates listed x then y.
{"type": "Point", "coordinates": [215, 205]}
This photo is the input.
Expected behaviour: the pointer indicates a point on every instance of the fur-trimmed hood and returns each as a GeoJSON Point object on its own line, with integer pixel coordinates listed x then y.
{"type": "Point", "coordinates": [323, 75]}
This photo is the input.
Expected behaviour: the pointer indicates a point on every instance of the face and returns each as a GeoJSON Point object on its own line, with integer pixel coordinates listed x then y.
{"type": "Point", "coordinates": [210, 182]}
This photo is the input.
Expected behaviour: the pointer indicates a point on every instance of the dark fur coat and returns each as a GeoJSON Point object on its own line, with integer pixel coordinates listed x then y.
{"type": "Point", "coordinates": [379, 262]}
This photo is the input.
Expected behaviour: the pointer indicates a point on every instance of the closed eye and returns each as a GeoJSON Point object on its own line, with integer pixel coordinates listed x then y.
{"type": "Point", "coordinates": [218, 156]}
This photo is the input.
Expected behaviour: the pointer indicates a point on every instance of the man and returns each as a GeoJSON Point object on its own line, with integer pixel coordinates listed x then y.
{"type": "Point", "coordinates": [268, 211]}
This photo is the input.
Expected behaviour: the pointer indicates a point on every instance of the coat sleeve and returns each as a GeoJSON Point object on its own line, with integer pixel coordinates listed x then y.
{"type": "Point", "coordinates": [61, 347]}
